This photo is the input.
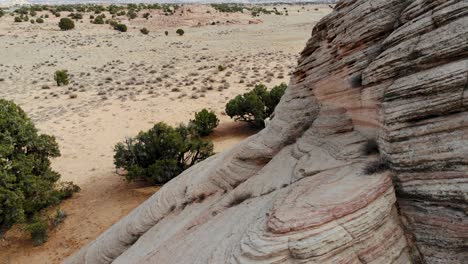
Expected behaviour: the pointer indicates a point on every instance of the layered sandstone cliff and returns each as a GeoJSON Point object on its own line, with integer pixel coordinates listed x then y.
{"type": "Point", "coordinates": [391, 70]}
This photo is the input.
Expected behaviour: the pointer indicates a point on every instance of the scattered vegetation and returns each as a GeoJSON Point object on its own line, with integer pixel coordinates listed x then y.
{"type": "Point", "coordinates": [144, 31]}
{"type": "Point", "coordinates": [61, 77]}
{"type": "Point", "coordinates": [180, 32]}
{"type": "Point", "coordinates": [40, 20]}
{"type": "Point", "coordinates": [38, 229]}
{"type": "Point", "coordinates": [254, 106]}
{"type": "Point", "coordinates": [160, 154]}
{"type": "Point", "coordinates": [66, 24]}
{"type": "Point", "coordinates": [27, 182]}
{"type": "Point", "coordinates": [131, 14]}
{"type": "Point", "coordinates": [204, 123]}
{"type": "Point", "coordinates": [121, 27]}
{"type": "Point", "coordinates": [99, 20]}
{"type": "Point", "coordinates": [58, 218]}
{"type": "Point", "coordinates": [228, 8]}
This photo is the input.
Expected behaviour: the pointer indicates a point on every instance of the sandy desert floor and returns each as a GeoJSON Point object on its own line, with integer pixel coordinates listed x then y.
{"type": "Point", "coordinates": [126, 82]}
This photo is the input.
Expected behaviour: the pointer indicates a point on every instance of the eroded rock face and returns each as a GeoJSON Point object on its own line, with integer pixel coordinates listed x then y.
{"type": "Point", "coordinates": [392, 70]}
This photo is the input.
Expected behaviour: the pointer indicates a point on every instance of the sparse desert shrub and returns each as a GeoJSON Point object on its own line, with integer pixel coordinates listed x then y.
{"type": "Point", "coordinates": [58, 218]}
{"type": "Point", "coordinates": [66, 24]}
{"type": "Point", "coordinates": [144, 31]}
{"type": "Point", "coordinates": [57, 14]}
{"type": "Point", "coordinates": [146, 15]}
{"type": "Point", "coordinates": [38, 231]}
{"type": "Point", "coordinates": [2, 13]}
{"type": "Point", "coordinates": [221, 68]}
{"type": "Point", "coordinates": [204, 123]}
{"type": "Point", "coordinates": [99, 20]}
{"type": "Point", "coordinates": [33, 13]}
{"type": "Point", "coordinates": [113, 23]}
{"type": "Point", "coordinates": [131, 14]}
{"type": "Point", "coordinates": [180, 32]}
{"type": "Point", "coordinates": [32, 21]}
{"type": "Point", "coordinates": [18, 19]}
{"type": "Point", "coordinates": [161, 153]}
{"type": "Point", "coordinates": [28, 184]}
{"type": "Point", "coordinates": [46, 16]}
{"type": "Point", "coordinates": [166, 33]}
{"type": "Point", "coordinates": [121, 27]}
{"type": "Point", "coordinates": [370, 147]}
{"type": "Point", "coordinates": [40, 20]}
{"type": "Point", "coordinates": [61, 77]}
{"type": "Point", "coordinates": [254, 106]}
{"type": "Point", "coordinates": [76, 16]}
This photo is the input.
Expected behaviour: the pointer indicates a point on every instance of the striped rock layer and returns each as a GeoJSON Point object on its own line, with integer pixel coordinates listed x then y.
{"type": "Point", "coordinates": [391, 70]}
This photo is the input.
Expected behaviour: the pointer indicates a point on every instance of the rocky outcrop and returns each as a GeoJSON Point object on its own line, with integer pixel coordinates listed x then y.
{"type": "Point", "coordinates": [391, 70]}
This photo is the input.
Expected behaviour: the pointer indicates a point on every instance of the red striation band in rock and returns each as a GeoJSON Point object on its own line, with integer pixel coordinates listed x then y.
{"type": "Point", "coordinates": [391, 70]}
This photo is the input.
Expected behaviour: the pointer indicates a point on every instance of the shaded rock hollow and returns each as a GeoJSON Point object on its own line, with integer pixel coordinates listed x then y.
{"type": "Point", "coordinates": [391, 70]}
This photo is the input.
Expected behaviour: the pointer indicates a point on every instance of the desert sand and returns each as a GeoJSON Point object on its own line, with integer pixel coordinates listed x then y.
{"type": "Point", "coordinates": [123, 83]}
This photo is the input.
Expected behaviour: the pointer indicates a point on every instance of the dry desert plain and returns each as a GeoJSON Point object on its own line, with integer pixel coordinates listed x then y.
{"type": "Point", "coordinates": [123, 83]}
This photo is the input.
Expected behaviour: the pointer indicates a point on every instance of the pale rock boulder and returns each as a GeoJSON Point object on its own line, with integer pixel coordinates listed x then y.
{"type": "Point", "coordinates": [296, 192]}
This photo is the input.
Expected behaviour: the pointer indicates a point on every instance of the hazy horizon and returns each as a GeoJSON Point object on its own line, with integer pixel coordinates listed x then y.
{"type": "Point", "coordinates": [161, 1]}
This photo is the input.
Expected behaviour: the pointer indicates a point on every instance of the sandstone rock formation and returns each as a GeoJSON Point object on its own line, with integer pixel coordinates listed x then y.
{"type": "Point", "coordinates": [392, 70]}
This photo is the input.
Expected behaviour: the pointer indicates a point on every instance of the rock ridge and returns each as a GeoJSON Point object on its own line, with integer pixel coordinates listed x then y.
{"type": "Point", "coordinates": [392, 71]}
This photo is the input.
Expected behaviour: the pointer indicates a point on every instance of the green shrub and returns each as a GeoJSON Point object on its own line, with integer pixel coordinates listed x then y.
{"type": "Point", "coordinates": [66, 24]}
{"type": "Point", "coordinates": [76, 16]}
{"type": "Point", "coordinates": [144, 31]}
{"type": "Point", "coordinates": [121, 27]}
{"type": "Point", "coordinates": [180, 32]}
{"type": "Point", "coordinates": [131, 14]}
{"type": "Point", "coordinates": [46, 16]}
{"type": "Point", "coordinates": [98, 20]}
{"type": "Point", "coordinates": [61, 77]}
{"type": "Point", "coordinates": [204, 122]}
{"type": "Point", "coordinates": [113, 23]}
{"type": "Point", "coordinates": [254, 106]}
{"type": "Point", "coordinates": [58, 218]}
{"type": "Point", "coordinates": [38, 231]}
{"type": "Point", "coordinates": [160, 154]}
{"type": "Point", "coordinates": [2, 13]}
{"type": "Point", "coordinates": [40, 20]}
{"type": "Point", "coordinates": [32, 21]}
{"type": "Point", "coordinates": [27, 182]}
{"type": "Point", "coordinates": [57, 14]}
{"type": "Point", "coordinates": [221, 68]}
{"type": "Point", "coordinates": [33, 13]}
{"type": "Point", "coordinates": [18, 19]}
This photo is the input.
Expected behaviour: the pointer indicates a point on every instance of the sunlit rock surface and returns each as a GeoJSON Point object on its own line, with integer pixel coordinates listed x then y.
{"type": "Point", "coordinates": [392, 70]}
